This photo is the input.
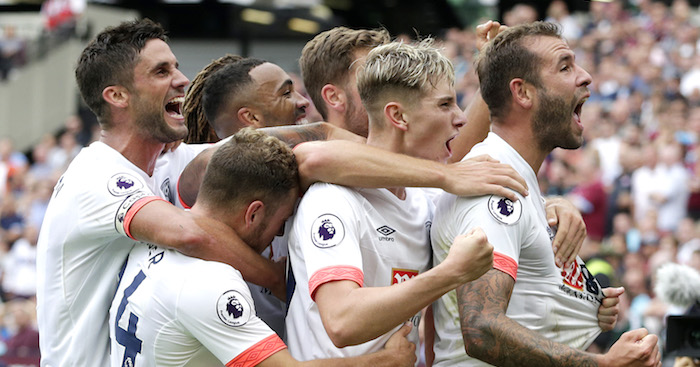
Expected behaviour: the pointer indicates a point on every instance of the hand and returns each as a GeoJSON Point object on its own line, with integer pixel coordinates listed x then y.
{"type": "Point", "coordinates": [170, 147]}
{"type": "Point", "coordinates": [608, 310]}
{"type": "Point", "coordinates": [634, 348]}
{"type": "Point", "coordinates": [487, 31]}
{"type": "Point", "coordinates": [482, 175]}
{"type": "Point", "coordinates": [401, 348]}
{"type": "Point", "coordinates": [471, 255]}
{"type": "Point", "coordinates": [571, 230]}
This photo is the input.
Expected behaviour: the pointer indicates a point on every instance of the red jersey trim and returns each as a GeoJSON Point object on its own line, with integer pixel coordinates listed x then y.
{"type": "Point", "coordinates": [333, 273]}
{"type": "Point", "coordinates": [134, 209]}
{"type": "Point", "coordinates": [177, 188]}
{"type": "Point", "coordinates": [258, 352]}
{"type": "Point", "coordinates": [505, 264]}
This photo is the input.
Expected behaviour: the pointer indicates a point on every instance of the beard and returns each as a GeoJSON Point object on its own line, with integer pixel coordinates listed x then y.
{"type": "Point", "coordinates": [552, 125]}
{"type": "Point", "coordinates": [150, 121]}
{"type": "Point", "coordinates": [356, 118]}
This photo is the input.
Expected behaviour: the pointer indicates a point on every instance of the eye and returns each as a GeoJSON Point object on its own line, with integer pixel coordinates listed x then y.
{"type": "Point", "coordinates": [566, 68]}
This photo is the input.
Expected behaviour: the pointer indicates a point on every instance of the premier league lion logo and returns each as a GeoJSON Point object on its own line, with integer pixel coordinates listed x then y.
{"type": "Point", "coordinates": [123, 184]}
{"type": "Point", "coordinates": [505, 210]}
{"type": "Point", "coordinates": [505, 206]}
{"type": "Point", "coordinates": [233, 309]}
{"type": "Point", "coordinates": [326, 231]}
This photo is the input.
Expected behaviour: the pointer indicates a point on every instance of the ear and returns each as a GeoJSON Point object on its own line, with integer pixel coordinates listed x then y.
{"type": "Point", "coordinates": [248, 117]}
{"type": "Point", "coordinates": [116, 95]}
{"type": "Point", "coordinates": [523, 93]}
{"type": "Point", "coordinates": [254, 214]}
{"type": "Point", "coordinates": [334, 97]}
{"type": "Point", "coordinates": [396, 115]}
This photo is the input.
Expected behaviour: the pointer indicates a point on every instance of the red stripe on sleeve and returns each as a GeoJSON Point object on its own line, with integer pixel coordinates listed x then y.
{"type": "Point", "coordinates": [333, 273]}
{"type": "Point", "coordinates": [505, 264]}
{"type": "Point", "coordinates": [177, 188]}
{"type": "Point", "coordinates": [258, 352]}
{"type": "Point", "coordinates": [134, 209]}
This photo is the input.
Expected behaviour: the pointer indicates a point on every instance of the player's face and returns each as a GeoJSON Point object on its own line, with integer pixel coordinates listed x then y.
{"type": "Point", "coordinates": [158, 92]}
{"type": "Point", "coordinates": [281, 103]}
{"type": "Point", "coordinates": [557, 116]}
{"type": "Point", "coordinates": [433, 123]}
{"type": "Point", "coordinates": [273, 223]}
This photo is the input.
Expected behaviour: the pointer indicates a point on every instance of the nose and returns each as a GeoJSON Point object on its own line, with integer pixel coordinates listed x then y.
{"type": "Point", "coordinates": [180, 80]}
{"type": "Point", "coordinates": [584, 78]}
{"type": "Point", "coordinates": [301, 101]}
{"type": "Point", "coordinates": [460, 118]}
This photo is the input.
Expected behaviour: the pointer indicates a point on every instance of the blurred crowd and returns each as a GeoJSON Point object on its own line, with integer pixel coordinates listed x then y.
{"type": "Point", "coordinates": [12, 51]}
{"type": "Point", "coordinates": [636, 181]}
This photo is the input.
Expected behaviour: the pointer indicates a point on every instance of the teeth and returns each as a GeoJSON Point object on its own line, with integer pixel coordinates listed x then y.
{"type": "Point", "coordinates": [177, 100]}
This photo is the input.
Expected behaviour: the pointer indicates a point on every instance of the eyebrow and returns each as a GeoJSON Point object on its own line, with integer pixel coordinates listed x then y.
{"type": "Point", "coordinates": [164, 64]}
{"type": "Point", "coordinates": [567, 57]}
{"type": "Point", "coordinates": [284, 85]}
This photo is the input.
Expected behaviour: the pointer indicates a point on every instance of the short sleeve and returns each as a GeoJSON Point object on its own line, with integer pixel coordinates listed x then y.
{"type": "Point", "coordinates": [327, 235]}
{"type": "Point", "coordinates": [221, 315]}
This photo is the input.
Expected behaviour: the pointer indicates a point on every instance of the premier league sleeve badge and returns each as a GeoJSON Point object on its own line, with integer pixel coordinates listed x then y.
{"type": "Point", "coordinates": [327, 231]}
{"type": "Point", "coordinates": [505, 210]}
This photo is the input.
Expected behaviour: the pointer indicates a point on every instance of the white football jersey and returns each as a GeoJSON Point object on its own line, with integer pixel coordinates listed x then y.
{"type": "Point", "coordinates": [368, 236]}
{"type": "Point", "coordinates": [170, 165]}
{"type": "Point", "coordinates": [175, 310]}
{"type": "Point", "coordinates": [83, 243]}
{"type": "Point", "coordinates": [560, 304]}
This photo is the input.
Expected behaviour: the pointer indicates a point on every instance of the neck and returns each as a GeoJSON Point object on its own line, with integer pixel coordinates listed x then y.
{"type": "Point", "coordinates": [389, 140]}
{"type": "Point", "coordinates": [519, 136]}
{"type": "Point", "coordinates": [139, 151]}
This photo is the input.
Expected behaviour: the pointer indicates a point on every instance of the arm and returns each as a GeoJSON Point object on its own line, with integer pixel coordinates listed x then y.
{"type": "Point", "coordinates": [161, 223]}
{"type": "Point", "coordinates": [360, 165]}
{"type": "Point", "coordinates": [352, 314]}
{"type": "Point", "coordinates": [476, 129]}
{"type": "Point", "coordinates": [478, 116]}
{"type": "Point", "coordinates": [296, 134]}
{"type": "Point", "coordinates": [492, 337]}
{"type": "Point", "coordinates": [192, 176]}
{"type": "Point", "coordinates": [398, 351]}
{"type": "Point", "coordinates": [571, 230]}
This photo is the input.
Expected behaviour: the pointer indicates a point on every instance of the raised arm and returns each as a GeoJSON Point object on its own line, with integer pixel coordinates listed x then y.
{"type": "Point", "coordinates": [360, 165]}
{"type": "Point", "coordinates": [489, 335]}
{"type": "Point", "coordinates": [478, 117]}
{"type": "Point", "coordinates": [352, 314]}
{"type": "Point", "coordinates": [161, 223]}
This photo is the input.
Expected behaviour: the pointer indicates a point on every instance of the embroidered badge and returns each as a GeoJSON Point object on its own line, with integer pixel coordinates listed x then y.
{"type": "Point", "coordinates": [504, 210]}
{"type": "Point", "coordinates": [327, 231]}
{"type": "Point", "coordinates": [123, 184]}
{"type": "Point", "coordinates": [233, 309]}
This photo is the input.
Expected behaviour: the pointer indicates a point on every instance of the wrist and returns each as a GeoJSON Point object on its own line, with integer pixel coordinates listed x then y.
{"type": "Point", "coordinates": [440, 176]}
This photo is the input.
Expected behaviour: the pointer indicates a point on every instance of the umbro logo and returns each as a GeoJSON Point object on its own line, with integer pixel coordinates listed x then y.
{"type": "Point", "coordinates": [385, 230]}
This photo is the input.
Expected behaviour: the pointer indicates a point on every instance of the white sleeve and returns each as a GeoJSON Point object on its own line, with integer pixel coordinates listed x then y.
{"type": "Point", "coordinates": [221, 314]}
{"type": "Point", "coordinates": [327, 236]}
